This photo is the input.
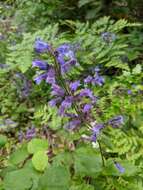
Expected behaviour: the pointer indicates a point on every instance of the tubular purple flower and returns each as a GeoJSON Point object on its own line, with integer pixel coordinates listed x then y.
{"type": "Point", "coordinates": [57, 90]}
{"type": "Point", "coordinates": [86, 93]}
{"type": "Point", "coordinates": [98, 80]}
{"type": "Point", "coordinates": [67, 103]}
{"type": "Point", "coordinates": [40, 64]}
{"type": "Point", "coordinates": [72, 124]}
{"type": "Point", "coordinates": [51, 76]}
{"type": "Point", "coordinates": [30, 133]}
{"type": "Point", "coordinates": [87, 108]}
{"type": "Point", "coordinates": [54, 101]}
{"type": "Point", "coordinates": [68, 65]}
{"type": "Point", "coordinates": [74, 85]}
{"type": "Point", "coordinates": [41, 77]}
{"type": "Point", "coordinates": [119, 167]}
{"type": "Point", "coordinates": [116, 121]}
{"type": "Point", "coordinates": [88, 79]}
{"type": "Point", "coordinates": [66, 51]}
{"type": "Point", "coordinates": [41, 46]}
{"type": "Point", "coordinates": [95, 131]}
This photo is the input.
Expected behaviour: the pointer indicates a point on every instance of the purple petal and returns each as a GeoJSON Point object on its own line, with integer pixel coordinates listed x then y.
{"type": "Point", "coordinates": [72, 124]}
{"type": "Point", "coordinates": [119, 167]}
{"type": "Point", "coordinates": [88, 79]}
{"type": "Point", "coordinates": [57, 90]}
{"type": "Point", "coordinates": [74, 85]}
{"type": "Point", "coordinates": [98, 80]}
{"type": "Point", "coordinates": [41, 46]}
{"type": "Point", "coordinates": [116, 121]}
{"type": "Point", "coordinates": [41, 64]}
{"type": "Point", "coordinates": [96, 129]}
{"type": "Point", "coordinates": [87, 108]}
{"type": "Point", "coordinates": [41, 77]}
{"type": "Point", "coordinates": [51, 76]}
{"type": "Point", "coordinates": [54, 101]}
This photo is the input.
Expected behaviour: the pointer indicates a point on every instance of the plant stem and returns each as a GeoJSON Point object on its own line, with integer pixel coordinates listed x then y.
{"type": "Point", "coordinates": [101, 152]}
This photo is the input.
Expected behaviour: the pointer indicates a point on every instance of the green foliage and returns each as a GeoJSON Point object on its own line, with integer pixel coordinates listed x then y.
{"type": "Point", "coordinates": [40, 160]}
{"type": "Point", "coordinates": [56, 159]}
{"type": "Point", "coordinates": [19, 155]}
{"type": "Point", "coordinates": [3, 140]}
{"type": "Point", "coordinates": [36, 145]}
{"type": "Point", "coordinates": [54, 178]}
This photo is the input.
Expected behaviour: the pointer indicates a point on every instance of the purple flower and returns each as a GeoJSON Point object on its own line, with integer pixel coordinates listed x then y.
{"type": "Point", "coordinates": [72, 124]}
{"type": "Point", "coordinates": [119, 167]}
{"type": "Point", "coordinates": [65, 50]}
{"type": "Point", "coordinates": [41, 64]}
{"type": "Point", "coordinates": [20, 136]}
{"type": "Point", "coordinates": [116, 121]}
{"type": "Point", "coordinates": [86, 93]}
{"type": "Point", "coordinates": [54, 101]}
{"type": "Point", "coordinates": [41, 46]}
{"type": "Point", "coordinates": [95, 131]}
{"type": "Point", "coordinates": [30, 133]}
{"type": "Point", "coordinates": [67, 65]}
{"type": "Point", "coordinates": [99, 80]}
{"type": "Point", "coordinates": [57, 90]}
{"type": "Point", "coordinates": [40, 77]}
{"type": "Point", "coordinates": [67, 103]}
{"type": "Point", "coordinates": [88, 79]}
{"type": "Point", "coordinates": [87, 108]}
{"type": "Point", "coordinates": [51, 76]}
{"type": "Point", "coordinates": [74, 85]}
{"type": "Point", "coordinates": [129, 92]}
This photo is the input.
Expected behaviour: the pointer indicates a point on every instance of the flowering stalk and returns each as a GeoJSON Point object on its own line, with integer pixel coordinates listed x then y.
{"type": "Point", "coordinates": [68, 95]}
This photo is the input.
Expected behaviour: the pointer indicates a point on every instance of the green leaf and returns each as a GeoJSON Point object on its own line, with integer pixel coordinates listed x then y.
{"type": "Point", "coordinates": [83, 2]}
{"type": "Point", "coordinates": [82, 187]}
{"type": "Point", "coordinates": [137, 69]}
{"type": "Point", "coordinates": [19, 155]}
{"type": "Point", "coordinates": [40, 160]}
{"type": "Point", "coordinates": [55, 178]}
{"type": "Point", "coordinates": [3, 140]}
{"type": "Point", "coordinates": [87, 162]}
{"type": "Point", "coordinates": [18, 180]}
{"type": "Point", "coordinates": [36, 145]}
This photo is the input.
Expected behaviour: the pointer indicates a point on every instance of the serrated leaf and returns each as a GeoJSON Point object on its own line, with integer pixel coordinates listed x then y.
{"type": "Point", "coordinates": [36, 145]}
{"type": "Point", "coordinates": [40, 160]}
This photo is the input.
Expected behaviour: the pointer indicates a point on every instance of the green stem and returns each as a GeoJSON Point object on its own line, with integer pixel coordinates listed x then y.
{"type": "Point", "coordinates": [101, 152]}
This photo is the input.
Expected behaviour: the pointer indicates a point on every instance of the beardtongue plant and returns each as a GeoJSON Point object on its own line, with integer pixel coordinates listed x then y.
{"type": "Point", "coordinates": [75, 100]}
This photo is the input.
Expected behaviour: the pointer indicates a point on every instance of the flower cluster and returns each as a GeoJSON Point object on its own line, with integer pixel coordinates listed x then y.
{"type": "Point", "coordinates": [74, 99]}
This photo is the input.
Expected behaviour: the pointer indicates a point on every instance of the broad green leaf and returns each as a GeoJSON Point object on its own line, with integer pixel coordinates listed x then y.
{"type": "Point", "coordinates": [87, 162]}
{"type": "Point", "coordinates": [55, 178]}
{"type": "Point", "coordinates": [18, 180]}
{"type": "Point", "coordinates": [36, 145]}
{"type": "Point", "coordinates": [19, 155]}
{"type": "Point", "coordinates": [82, 187]}
{"type": "Point", "coordinates": [40, 160]}
{"type": "Point", "coordinates": [3, 140]}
